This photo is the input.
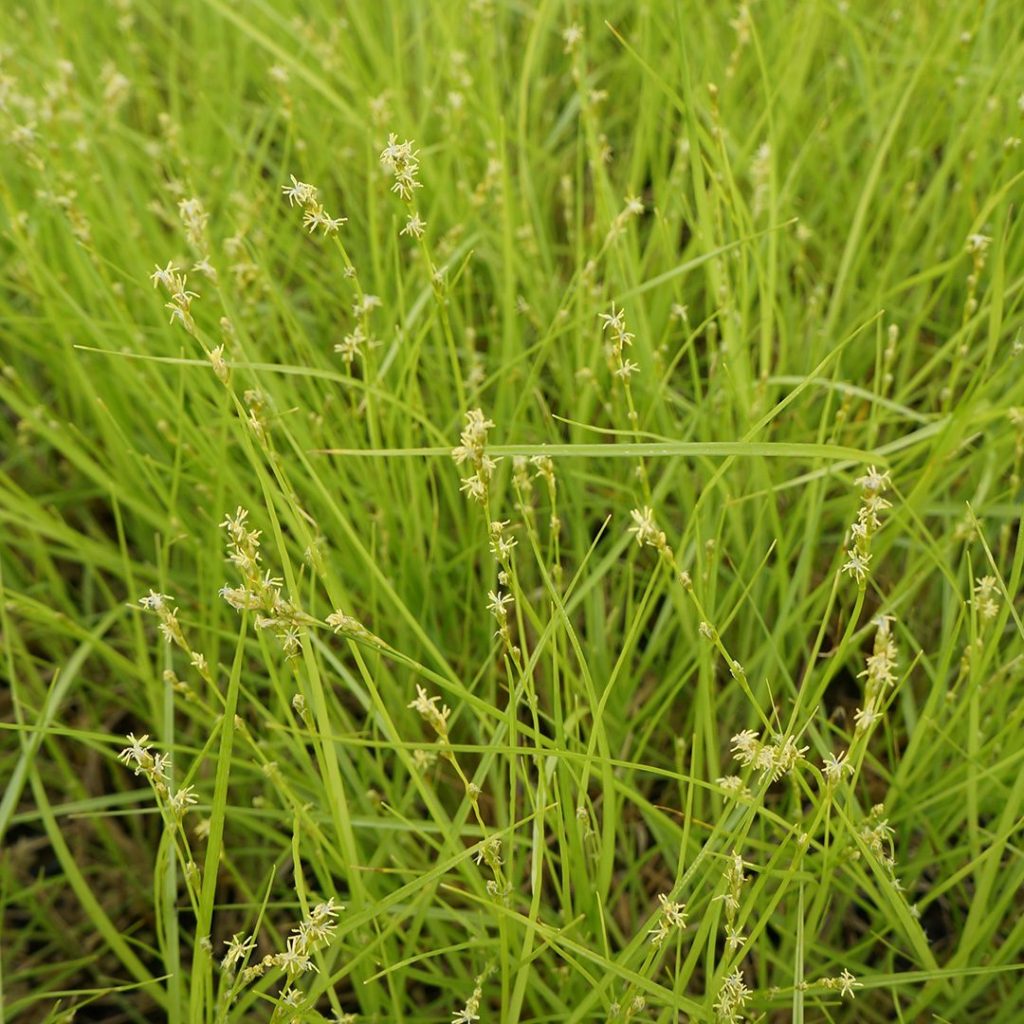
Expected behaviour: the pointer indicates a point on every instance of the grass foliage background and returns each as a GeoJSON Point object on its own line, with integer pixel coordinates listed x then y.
{"type": "Point", "coordinates": [839, 216]}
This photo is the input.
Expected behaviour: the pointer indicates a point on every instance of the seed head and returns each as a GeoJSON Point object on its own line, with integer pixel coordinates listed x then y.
{"type": "Point", "coordinates": [299, 193]}
{"type": "Point", "coordinates": [834, 767]}
{"type": "Point", "coordinates": [401, 161]}
{"type": "Point", "coordinates": [414, 226]}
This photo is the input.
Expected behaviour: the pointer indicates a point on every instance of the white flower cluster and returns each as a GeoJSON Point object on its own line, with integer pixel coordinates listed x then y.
{"type": "Point", "coordinates": [140, 757]}
{"type": "Point", "coordinates": [733, 996]}
{"type": "Point", "coordinates": [877, 835]}
{"type": "Point", "coordinates": [733, 786]}
{"type": "Point", "coordinates": [672, 917]}
{"type": "Point", "coordinates": [300, 193]}
{"type": "Point", "coordinates": [352, 345]}
{"type": "Point", "coordinates": [619, 339]}
{"type": "Point", "coordinates": [260, 592]}
{"type": "Point", "coordinates": [348, 625]}
{"type": "Point", "coordinates": [415, 225]}
{"type": "Point", "coordinates": [497, 605]}
{"type": "Point", "coordinates": [401, 161]}
{"type": "Point", "coordinates": [858, 554]}
{"type": "Point", "coordinates": [194, 217]}
{"type": "Point", "coordinates": [633, 207]}
{"type": "Point", "coordinates": [472, 449]}
{"type": "Point", "coordinates": [734, 880]}
{"type": "Point", "coordinates": [645, 529]}
{"type": "Point", "coordinates": [835, 766]}
{"type": "Point", "coordinates": [844, 984]}
{"type": "Point", "coordinates": [502, 544]}
{"type": "Point", "coordinates": [220, 366]}
{"type": "Point", "coordinates": [157, 768]}
{"type": "Point", "coordinates": [773, 759]}
{"type": "Point", "coordinates": [985, 591]}
{"type": "Point", "coordinates": [433, 712]}
{"type": "Point", "coordinates": [470, 1012]}
{"type": "Point", "coordinates": [181, 296]}
{"type": "Point", "coordinates": [500, 541]}
{"type": "Point", "coordinates": [313, 933]}
{"type": "Point", "coordinates": [171, 630]}
{"type": "Point", "coordinates": [572, 37]}
{"type": "Point", "coordinates": [880, 673]}
{"type": "Point", "coordinates": [169, 626]}
{"type": "Point", "coordinates": [489, 852]}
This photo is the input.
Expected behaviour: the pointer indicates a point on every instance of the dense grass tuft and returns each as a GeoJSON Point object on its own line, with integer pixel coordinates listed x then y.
{"type": "Point", "coordinates": [538, 485]}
